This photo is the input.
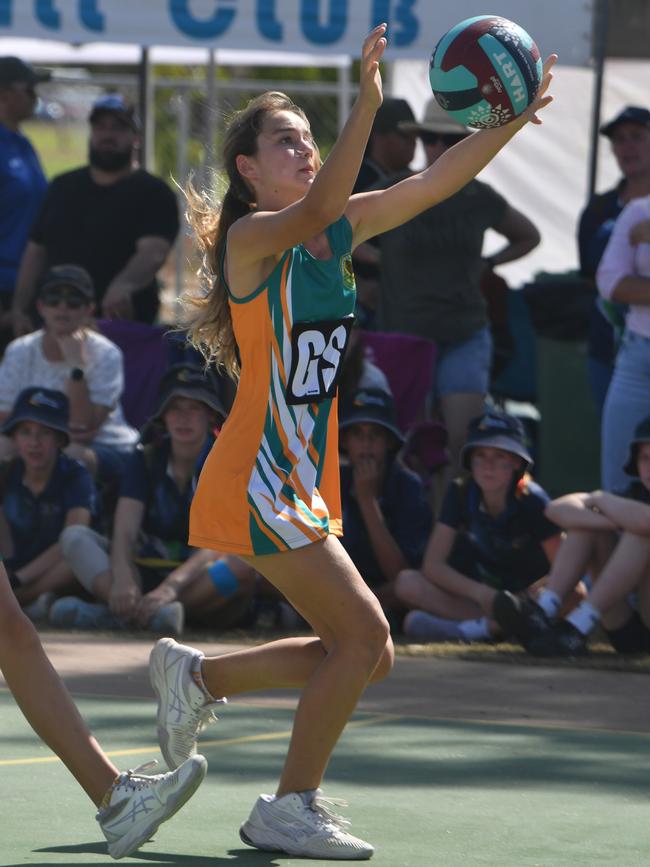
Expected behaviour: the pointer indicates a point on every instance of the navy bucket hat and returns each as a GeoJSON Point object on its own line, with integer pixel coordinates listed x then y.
{"type": "Point", "coordinates": [498, 430]}
{"type": "Point", "coordinates": [43, 405]}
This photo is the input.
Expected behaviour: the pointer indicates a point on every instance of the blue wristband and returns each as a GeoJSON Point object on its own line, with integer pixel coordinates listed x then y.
{"type": "Point", "coordinates": [223, 578]}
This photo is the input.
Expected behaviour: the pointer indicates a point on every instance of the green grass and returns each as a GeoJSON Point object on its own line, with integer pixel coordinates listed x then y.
{"type": "Point", "coordinates": [61, 147]}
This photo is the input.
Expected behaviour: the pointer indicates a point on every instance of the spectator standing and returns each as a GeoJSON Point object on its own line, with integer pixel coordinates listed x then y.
{"type": "Point", "coordinates": [43, 491]}
{"type": "Point", "coordinates": [69, 355]}
{"type": "Point", "coordinates": [624, 278]}
{"type": "Point", "coordinates": [115, 220]}
{"type": "Point", "coordinates": [491, 535]}
{"type": "Point", "coordinates": [386, 516]}
{"type": "Point", "coordinates": [22, 182]}
{"type": "Point", "coordinates": [629, 134]}
{"type": "Point", "coordinates": [431, 269]}
{"type": "Point", "coordinates": [389, 151]}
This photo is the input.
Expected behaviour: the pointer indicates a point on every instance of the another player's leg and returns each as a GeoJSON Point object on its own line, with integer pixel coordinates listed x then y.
{"type": "Point", "coordinates": [49, 709]}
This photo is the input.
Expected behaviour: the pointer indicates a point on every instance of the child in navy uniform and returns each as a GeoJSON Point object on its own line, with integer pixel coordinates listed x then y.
{"type": "Point", "coordinates": [152, 575]}
{"type": "Point", "coordinates": [609, 536]}
{"type": "Point", "coordinates": [491, 535]}
{"type": "Point", "coordinates": [386, 516]}
{"type": "Point", "coordinates": [43, 492]}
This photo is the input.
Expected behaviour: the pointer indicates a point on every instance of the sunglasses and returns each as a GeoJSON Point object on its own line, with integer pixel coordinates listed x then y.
{"type": "Point", "coordinates": [73, 300]}
{"type": "Point", "coordinates": [447, 138]}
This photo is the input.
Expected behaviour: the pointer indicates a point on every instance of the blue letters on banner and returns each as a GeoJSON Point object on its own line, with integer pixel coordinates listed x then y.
{"type": "Point", "coordinates": [403, 25]}
{"type": "Point", "coordinates": [190, 25]}
{"type": "Point", "coordinates": [5, 13]}
{"type": "Point", "coordinates": [48, 15]}
{"type": "Point", "coordinates": [323, 34]}
{"type": "Point", "coordinates": [90, 15]}
{"type": "Point", "coordinates": [268, 24]}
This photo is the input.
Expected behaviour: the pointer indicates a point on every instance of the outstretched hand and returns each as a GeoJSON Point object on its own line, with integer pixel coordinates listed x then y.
{"type": "Point", "coordinates": [542, 99]}
{"type": "Point", "coordinates": [374, 45]}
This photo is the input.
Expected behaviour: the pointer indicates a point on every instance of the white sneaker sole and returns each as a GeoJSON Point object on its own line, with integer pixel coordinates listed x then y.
{"type": "Point", "coordinates": [136, 837]}
{"type": "Point", "coordinates": [279, 843]}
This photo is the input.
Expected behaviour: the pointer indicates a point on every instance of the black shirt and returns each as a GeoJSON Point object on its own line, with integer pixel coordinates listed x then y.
{"type": "Point", "coordinates": [97, 226]}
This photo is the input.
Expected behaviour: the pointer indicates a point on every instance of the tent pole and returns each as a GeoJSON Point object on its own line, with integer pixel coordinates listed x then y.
{"type": "Point", "coordinates": [600, 51]}
{"type": "Point", "coordinates": [146, 109]}
{"type": "Point", "coordinates": [211, 114]}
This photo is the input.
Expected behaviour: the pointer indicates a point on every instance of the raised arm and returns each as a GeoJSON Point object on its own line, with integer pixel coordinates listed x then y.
{"type": "Point", "coordinates": [266, 233]}
{"type": "Point", "coordinates": [381, 210]}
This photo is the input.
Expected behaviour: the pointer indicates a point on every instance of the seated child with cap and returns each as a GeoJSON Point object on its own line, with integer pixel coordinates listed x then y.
{"type": "Point", "coordinates": [386, 515]}
{"type": "Point", "coordinates": [152, 576]}
{"type": "Point", "coordinates": [607, 535]}
{"type": "Point", "coordinates": [67, 354]}
{"type": "Point", "coordinates": [42, 492]}
{"type": "Point", "coordinates": [491, 535]}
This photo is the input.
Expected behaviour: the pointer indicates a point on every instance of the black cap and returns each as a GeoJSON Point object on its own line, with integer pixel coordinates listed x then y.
{"type": "Point", "coordinates": [391, 113]}
{"type": "Point", "coordinates": [374, 405]}
{"type": "Point", "coordinates": [188, 380]}
{"type": "Point", "coordinates": [630, 114]}
{"type": "Point", "coordinates": [641, 435]}
{"type": "Point", "coordinates": [43, 405]}
{"type": "Point", "coordinates": [114, 103]}
{"type": "Point", "coordinates": [14, 69]}
{"type": "Point", "coordinates": [70, 277]}
{"type": "Point", "coordinates": [498, 430]}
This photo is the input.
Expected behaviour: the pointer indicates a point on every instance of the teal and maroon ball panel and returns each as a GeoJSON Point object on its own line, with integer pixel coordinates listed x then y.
{"type": "Point", "coordinates": [485, 71]}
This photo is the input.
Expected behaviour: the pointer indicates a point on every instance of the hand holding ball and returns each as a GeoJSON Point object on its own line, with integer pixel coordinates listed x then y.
{"type": "Point", "coordinates": [485, 71]}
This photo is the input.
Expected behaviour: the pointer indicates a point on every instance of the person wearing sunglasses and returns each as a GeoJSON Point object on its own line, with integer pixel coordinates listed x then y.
{"type": "Point", "coordinates": [67, 354]}
{"type": "Point", "coordinates": [22, 180]}
{"type": "Point", "coordinates": [431, 273]}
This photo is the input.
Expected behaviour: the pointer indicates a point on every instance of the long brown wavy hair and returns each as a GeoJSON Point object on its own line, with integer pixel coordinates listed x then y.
{"type": "Point", "coordinates": [208, 317]}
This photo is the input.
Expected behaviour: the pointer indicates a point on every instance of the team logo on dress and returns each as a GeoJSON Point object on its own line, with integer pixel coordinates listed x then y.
{"type": "Point", "coordinates": [347, 271]}
{"type": "Point", "coordinates": [317, 350]}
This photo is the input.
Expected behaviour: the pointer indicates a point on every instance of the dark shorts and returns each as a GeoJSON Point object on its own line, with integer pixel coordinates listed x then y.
{"type": "Point", "coordinates": [516, 575]}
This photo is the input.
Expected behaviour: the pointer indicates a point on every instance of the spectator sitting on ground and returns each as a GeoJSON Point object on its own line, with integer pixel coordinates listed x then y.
{"type": "Point", "coordinates": [152, 576]}
{"type": "Point", "coordinates": [42, 492]}
{"type": "Point", "coordinates": [117, 221]}
{"type": "Point", "coordinates": [22, 181]}
{"type": "Point", "coordinates": [491, 535]}
{"type": "Point", "coordinates": [68, 355]}
{"type": "Point", "coordinates": [609, 536]}
{"type": "Point", "coordinates": [386, 516]}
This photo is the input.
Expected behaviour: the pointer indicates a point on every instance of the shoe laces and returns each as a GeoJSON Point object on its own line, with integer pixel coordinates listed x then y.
{"type": "Point", "coordinates": [205, 714]}
{"type": "Point", "coordinates": [323, 807]}
{"type": "Point", "coordinates": [133, 779]}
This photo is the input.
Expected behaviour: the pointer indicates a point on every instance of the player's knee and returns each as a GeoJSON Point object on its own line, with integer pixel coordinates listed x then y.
{"type": "Point", "coordinates": [386, 661]}
{"type": "Point", "coordinates": [374, 637]}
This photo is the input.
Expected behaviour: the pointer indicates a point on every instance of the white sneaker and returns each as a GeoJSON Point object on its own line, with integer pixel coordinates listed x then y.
{"type": "Point", "coordinates": [183, 707]}
{"type": "Point", "coordinates": [301, 823]}
{"type": "Point", "coordinates": [138, 804]}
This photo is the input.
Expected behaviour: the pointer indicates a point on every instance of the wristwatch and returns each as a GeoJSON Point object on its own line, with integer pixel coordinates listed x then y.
{"type": "Point", "coordinates": [77, 374]}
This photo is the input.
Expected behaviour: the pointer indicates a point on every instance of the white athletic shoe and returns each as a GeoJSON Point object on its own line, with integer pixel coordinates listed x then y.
{"type": "Point", "coordinates": [183, 708]}
{"type": "Point", "coordinates": [301, 823]}
{"type": "Point", "coordinates": [138, 804]}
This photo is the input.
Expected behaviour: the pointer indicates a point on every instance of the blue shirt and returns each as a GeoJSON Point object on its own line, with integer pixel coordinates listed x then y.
{"type": "Point", "coordinates": [37, 520]}
{"type": "Point", "coordinates": [407, 514]}
{"type": "Point", "coordinates": [166, 509]}
{"type": "Point", "coordinates": [503, 551]}
{"type": "Point", "coordinates": [22, 188]}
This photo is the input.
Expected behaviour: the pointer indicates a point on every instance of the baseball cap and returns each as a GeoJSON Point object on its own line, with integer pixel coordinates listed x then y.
{"type": "Point", "coordinates": [498, 430]}
{"type": "Point", "coordinates": [114, 103]}
{"type": "Point", "coordinates": [641, 435]}
{"type": "Point", "coordinates": [43, 405]}
{"type": "Point", "coordinates": [391, 114]}
{"type": "Point", "coordinates": [630, 114]}
{"type": "Point", "coordinates": [435, 119]}
{"type": "Point", "coordinates": [14, 69]}
{"type": "Point", "coordinates": [71, 277]}
{"type": "Point", "coordinates": [188, 380]}
{"type": "Point", "coordinates": [374, 405]}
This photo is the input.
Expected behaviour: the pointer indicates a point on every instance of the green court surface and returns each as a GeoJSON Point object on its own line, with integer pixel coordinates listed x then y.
{"type": "Point", "coordinates": [424, 791]}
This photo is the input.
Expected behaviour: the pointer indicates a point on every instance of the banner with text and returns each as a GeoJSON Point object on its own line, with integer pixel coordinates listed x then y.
{"type": "Point", "coordinates": [313, 26]}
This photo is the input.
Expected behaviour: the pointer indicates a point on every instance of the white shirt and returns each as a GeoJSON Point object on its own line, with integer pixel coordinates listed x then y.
{"type": "Point", "coordinates": [24, 365]}
{"type": "Point", "coordinates": [622, 259]}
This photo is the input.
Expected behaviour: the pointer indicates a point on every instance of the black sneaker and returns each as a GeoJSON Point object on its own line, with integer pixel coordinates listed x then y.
{"type": "Point", "coordinates": [562, 639]}
{"type": "Point", "coordinates": [519, 617]}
